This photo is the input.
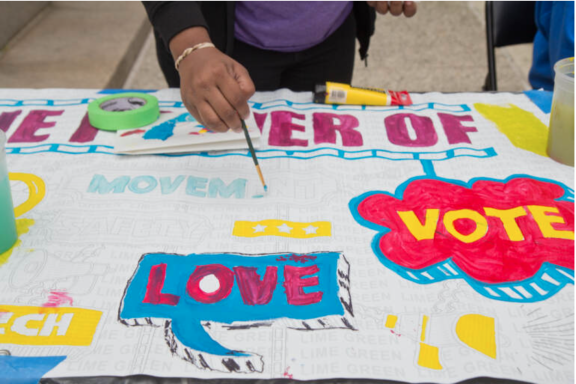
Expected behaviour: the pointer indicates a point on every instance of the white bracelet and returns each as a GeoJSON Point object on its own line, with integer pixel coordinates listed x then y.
{"type": "Point", "coordinates": [188, 51]}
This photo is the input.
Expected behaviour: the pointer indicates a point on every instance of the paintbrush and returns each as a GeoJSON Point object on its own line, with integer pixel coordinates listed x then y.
{"type": "Point", "coordinates": [253, 153]}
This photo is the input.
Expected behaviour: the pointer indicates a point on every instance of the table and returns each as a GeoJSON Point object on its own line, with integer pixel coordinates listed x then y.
{"type": "Point", "coordinates": [431, 242]}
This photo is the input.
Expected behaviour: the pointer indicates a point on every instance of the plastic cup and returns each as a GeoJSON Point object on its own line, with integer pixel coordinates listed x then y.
{"type": "Point", "coordinates": [561, 132]}
{"type": "Point", "coordinates": [8, 235]}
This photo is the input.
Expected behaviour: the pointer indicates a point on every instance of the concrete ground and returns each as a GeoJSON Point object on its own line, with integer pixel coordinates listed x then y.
{"type": "Point", "coordinates": [97, 45]}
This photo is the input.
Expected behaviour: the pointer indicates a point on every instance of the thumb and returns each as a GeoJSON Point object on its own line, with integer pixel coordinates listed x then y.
{"type": "Point", "coordinates": [244, 80]}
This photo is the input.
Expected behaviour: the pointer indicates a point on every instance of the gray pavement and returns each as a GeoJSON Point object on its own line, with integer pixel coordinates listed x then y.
{"type": "Point", "coordinates": [105, 44]}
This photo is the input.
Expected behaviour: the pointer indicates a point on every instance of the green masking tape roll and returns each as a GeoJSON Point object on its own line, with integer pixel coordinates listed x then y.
{"type": "Point", "coordinates": [123, 111]}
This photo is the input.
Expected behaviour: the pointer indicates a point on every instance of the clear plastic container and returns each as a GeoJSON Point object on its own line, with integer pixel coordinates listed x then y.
{"type": "Point", "coordinates": [8, 235]}
{"type": "Point", "coordinates": [561, 132]}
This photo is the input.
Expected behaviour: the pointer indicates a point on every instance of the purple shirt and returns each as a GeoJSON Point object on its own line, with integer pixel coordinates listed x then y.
{"type": "Point", "coordinates": [288, 26]}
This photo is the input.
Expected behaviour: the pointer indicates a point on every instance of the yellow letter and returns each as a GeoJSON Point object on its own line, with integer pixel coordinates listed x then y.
{"type": "Point", "coordinates": [481, 224]}
{"type": "Point", "coordinates": [419, 231]}
{"type": "Point", "coordinates": [545, 221]}
{"type": "Point", "coordinates": [508, 219]}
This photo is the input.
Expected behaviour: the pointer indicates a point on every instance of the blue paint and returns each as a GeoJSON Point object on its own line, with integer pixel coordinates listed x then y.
{"type": "Point", "coordinates": [257, 196]}
{"type": "Point", "coordinates": [165, 130]}
{"type": "Point", "coordinates": [187, 315]}
{"type": "Point", "coordinates": [218, 188]}
{"type": "Point", "coordinates": [436, 270]}
{"type": "Point", "coordinates": [115, 91]}
{"type": "Point", "coordinates": [279, 103]}
{"type": "Point", "coordinates": [26, 370]}
{"type": "Point", "coordinates": [100, 185]}
{"type": "Point", "coordinates": [542, 99]}
{"type": "Point", "coordinates": [195, 186]}
{"type": "Point", "coordinates": [306, 154]}
{"type": "Point", "coordinates": [169, 186]}
{"type": "Point", "coordinates": [428, 168]}
{"type": "Point", "coordinates": [265, 188]}
{"type": "Point", "coordinates": [136, 184]}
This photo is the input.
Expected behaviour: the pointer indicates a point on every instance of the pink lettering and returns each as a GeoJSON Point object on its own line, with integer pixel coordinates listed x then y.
{"type": "Point", "coordinates": [325, 129]}
{"type": "Point", "coordinates": [7, 118]}
{"type": "Point", "coordinates": [293, 284]}
{"type": "Point", "coordinates": [252, 290]}
{"type": "Point", "coordinates": [225, 279]}
{"type": "Point", "coordinates": [398, 131]}
{"type": "Point", "coordinates": [455, 131]}
{"type": "Point", "coordinates": [281, 129]}
{"type": "Point", "coordinates": [154, 293]}
{"type": "Point", "coordinates": [260, 120]}
{"type": "Point", "coordinates": [85, 132]}
{"type": "Point", "coordinates": [32, 123]}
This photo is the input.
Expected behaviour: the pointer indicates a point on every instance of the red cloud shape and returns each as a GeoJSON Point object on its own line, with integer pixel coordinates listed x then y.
{"type": "Point", "coordinates": [513, 227]}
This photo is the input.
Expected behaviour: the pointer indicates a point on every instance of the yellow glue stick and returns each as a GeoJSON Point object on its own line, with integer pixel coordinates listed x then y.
{"type": "Point", "coordinates": [337, 93]}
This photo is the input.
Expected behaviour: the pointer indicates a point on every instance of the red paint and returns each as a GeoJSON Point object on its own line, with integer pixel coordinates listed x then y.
{"type": "Point", "coordinates": [494, 258]}
{"type": "Point", "coordinates": [224, 275]}
{"type": "Point", "coordinates": [252, 290]}
{"type": "Point", "coordinates": [423, 126]}
{"type": "Point", "coordinates": [134, 132]}
{"type": "Point", "coordinates": [85, 132]}
{"type": "Point", "coordinates": [58, 298]}
{"type": "Point", "coordinates": [26, 132]}
{"type": "Point", "coordinates": [7, 118]}
{"type": "Point", "coordinates": [294, 284]}
{"type": "Point", "coordinates": [154, 293]}
{"type": "Point", "coordinates": [288, 375]}
{"type": "Point", "coordinates": [260, 120]}
{"type": "Point", "coordinates": [281, 129]}
{"type": "Point", "coordinates": [325, 129]}
{"type": "Point", "coordinates": [455, 131]}
{"type": "Point", "coordinates": [301, 258]}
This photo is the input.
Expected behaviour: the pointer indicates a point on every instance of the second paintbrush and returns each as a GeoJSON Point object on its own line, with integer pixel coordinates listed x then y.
{"type": "Point", "coordinates": [253, 153]}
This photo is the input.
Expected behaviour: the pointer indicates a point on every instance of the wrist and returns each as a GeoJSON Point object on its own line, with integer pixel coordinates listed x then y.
{"type": "Point", "coordinates": [188, 38]}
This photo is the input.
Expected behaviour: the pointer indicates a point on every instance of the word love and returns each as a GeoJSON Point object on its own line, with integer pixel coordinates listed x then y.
{"type": "Point", "coordinates": [233, 291]}
{"type": "Point", "coordinates": [519, 230]}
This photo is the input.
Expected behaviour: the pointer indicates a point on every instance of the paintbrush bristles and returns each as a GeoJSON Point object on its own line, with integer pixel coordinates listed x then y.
{"type": "Point", "coordinates": [253, 153]}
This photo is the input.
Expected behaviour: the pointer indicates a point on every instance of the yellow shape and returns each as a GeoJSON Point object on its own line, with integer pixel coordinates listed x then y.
{"type": "Point", "coordinates": [282, 228]}
{"type": "Point", "coordinates": [428, 357]}
{"type": "Point", "coordinates": [419, 231]}
{"type": "Point", "coordinates": [481, 224]}
{"type": "Point", "coordinates": [391, 321]}
{"type": "Point", "coordinates": [22, 226]}
{"type": "Point", "coordinates": [508, 218]}
{"type": "Point", "coordinates": [545, 222]}
{"type": "Point", "coordinates": [478, 332]}
{"type": "Point", "coordinates": [36, 188]}
{"type": "Point", "coordinates": [521, 127]}
{"type": "Point", "coordinates": [25, 325]}
{"type": "Point", "coordinates": [424, 324]}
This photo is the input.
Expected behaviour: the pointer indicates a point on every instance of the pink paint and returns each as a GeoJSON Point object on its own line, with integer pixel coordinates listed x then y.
{"type": "Point", "coordinates": [85, 132]}
{"type": "Point", "coordinates": [252, 290]}
{"type": "Point", "coordinates": [26, 132]}
{"type": "Point", "coordinates": [287, 374]}
{"type": "Point", "coordinates": [224, 275]}
{"type": "Point", "coordinates": [325, 129]}
{"type": "Point", "coordinates": [294, 284]}
{"type": "Point", "coordinates": [281, 129]}
{"type": "Point", "coordinates": [455, 131]}
{"type": "Point", "coordinates": [57, 298]}
{"type": "Point", "coordinates": [7, 118]}
{"type": "Point", "coordinates": [397, 130]}
{"type": "Point", "coordinates": [134, 132]}
{"type": "Point", "coordinates": [154, 293]}
{"type": "Point", "coordinates": [260, 120]}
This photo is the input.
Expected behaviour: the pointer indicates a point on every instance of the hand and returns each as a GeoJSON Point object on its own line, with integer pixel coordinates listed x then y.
{"type": "Point", "coordinates": [396, 8]}
{"type": "Point", "coordinates": [215, 88]}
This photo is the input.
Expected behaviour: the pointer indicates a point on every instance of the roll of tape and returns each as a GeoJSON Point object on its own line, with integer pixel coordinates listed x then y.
{"type": "Point", "coordinates": [123, 111]}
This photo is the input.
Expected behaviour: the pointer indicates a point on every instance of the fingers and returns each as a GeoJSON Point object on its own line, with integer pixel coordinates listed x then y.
{"type": "Point", "coordinates": [237, 90]}
{"type": "Point", "coordinates": [410, 8]}
{"type": "Point", "coordinates": [381, 7]}
{"type": "Point", "coordinates": [396, 7]}
{"type": "Point", "coordinates": [210, 119]}
{"type": "Point", "coordinates": [225, 111]}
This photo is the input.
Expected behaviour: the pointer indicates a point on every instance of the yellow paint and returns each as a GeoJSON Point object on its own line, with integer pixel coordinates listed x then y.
{"type": "Point", "coordinates": [282, 228]}
{"type": "Point", "coordinates": [36, 188]}
{"type": "Point", "coordinates": [419, 231]}
{"type": "Point", "coordinates": [424, 324]}
{"type": "Point", "coordinates": [428, 357]}
{"type": "Point", "coordinates": [25, 325]}
{"type": "Point", "coordinates": [481, 224]}
{"type": "Point", "coordinates": [508, 218]}
{"type": "Point", "coordinates": [391, 321]}
{"type": "Point", "coordinates": [478, 332]}
{"type": "Point", "coordinates": [22, 226]}
{"type": "Point", "coordinates": [545, 222]}
{"type": "Point", "coordinates": [523, 129]}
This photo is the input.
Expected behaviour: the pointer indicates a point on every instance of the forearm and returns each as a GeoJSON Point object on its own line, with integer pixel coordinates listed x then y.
{"type": "Point", "coordinates": [170, 18]}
